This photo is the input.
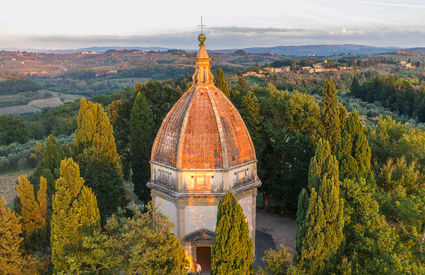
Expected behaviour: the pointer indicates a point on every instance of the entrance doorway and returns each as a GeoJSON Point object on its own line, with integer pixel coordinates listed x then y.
{"type": "Point", "coordinates": [203, 256]}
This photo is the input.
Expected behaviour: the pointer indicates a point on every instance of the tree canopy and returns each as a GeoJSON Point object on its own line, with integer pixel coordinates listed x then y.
{"type": "Point", "coordinates": [142, 134]}
{"type": "Point", "coordinates": [353, 151]}
{"type": "Point", "coordinates": [332, 115]}
{"type": "Point", "coordinates": [10, 241]}
{"type": "Point", "coordinates": [75, 215]}
{"type": "Point", "coordinates": [33, 212]}
{"type": "Point", "coordinates": [320, 216]}
{"type": "Point", "coordinates": [233, 249]}
{"type": "Point", "coordinates": [221, 83]}
{"type": "Point", "coordinates": [141, 243]}
{"type": "Point", "coordinates": [94, 129]}
{"type": "Point", "coordinates": [96, 154]}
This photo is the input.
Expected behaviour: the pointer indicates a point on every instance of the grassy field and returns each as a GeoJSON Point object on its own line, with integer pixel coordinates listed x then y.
{"type": "Point", "coordinates": [20, 98]}
{"type": "Point", "coordinates": [31, 102]}
{"type": "Point", "coordinates": [66, 97]}
{"type": "Point", "coordinates": [19, 110]}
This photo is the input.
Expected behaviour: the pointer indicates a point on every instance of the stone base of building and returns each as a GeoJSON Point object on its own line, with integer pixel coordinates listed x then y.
{"type": "Point", "coordinates": [195, 220]}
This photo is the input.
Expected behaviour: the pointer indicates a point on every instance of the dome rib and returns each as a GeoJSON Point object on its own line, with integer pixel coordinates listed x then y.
{"type": "Point", "coordinates": [237, 138]}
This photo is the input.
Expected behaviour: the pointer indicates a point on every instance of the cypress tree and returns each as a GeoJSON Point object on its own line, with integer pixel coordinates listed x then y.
{"type": "Point", "coordinates": [251, 113]}
{"type": "Point", "coordinates": [50, 154]}
{"type": "Point", "coordinates": [160, 96]}
{"type": "Point", "coordinates": [42, 197]}
{"type": "Point", "coordinates": [353, 151]}
{"type": "Point", "coordinates": [119, 115]}
{"type": "Point", "coordinates": [251, 107]}
{"type": "Point", "coordinates": [233, 248]}
{"type": "Point", "coordinates": [356, 88]}
{"type": "Point", "coordinates": [10, 241]}
{"type": "Point", "coordinates": [303, 200]}
{"type": "Point", "coordinates": [105, 180]}
{"type": "Point", "coordinates": [243, 84]}
{"type": "Point", "coordinates": [142, 133]}
{"type": "Point", "coordinates": [30, 209]}
{"type": "Point", "coordinates": [113, 111]}
{"type": "Point", "coordinates": [221, 83]}
{"type": "Point", "coordinates": [332, 115]}
{"type": "Point", "coordinates": [75, 215]}
{"type": "Point", "coordinates": [320, 234]}
{"type": "Point", "coordinates": [33, 212]}
{"type": "Point", "coordinates": [97, 157]}
{"type": "Point", "coordinates": [94, 129]}
{"type": "Point", "coordinates": [370, 245]}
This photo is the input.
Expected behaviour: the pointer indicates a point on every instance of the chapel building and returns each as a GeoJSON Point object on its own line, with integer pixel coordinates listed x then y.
{"type": "Point", "coordinates": [202, 150]}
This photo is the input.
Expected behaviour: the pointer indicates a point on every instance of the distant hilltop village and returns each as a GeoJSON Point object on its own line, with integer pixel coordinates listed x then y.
{"type": "Point", "coordinates": [315, 68]}
{"type": "Point", "coordinates": [320, 67]}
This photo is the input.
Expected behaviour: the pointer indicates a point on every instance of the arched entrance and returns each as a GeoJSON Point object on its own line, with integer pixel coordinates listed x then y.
{"type": "Point", "coordinates": [201, 243]}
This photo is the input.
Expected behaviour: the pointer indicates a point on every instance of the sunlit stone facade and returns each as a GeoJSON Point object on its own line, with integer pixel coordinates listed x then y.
{"type": "Point", "coordinates": [202, 150]}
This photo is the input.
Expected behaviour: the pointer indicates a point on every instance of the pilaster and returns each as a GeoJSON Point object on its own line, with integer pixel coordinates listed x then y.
{"type": "Point", "coordinates": [181, 219]}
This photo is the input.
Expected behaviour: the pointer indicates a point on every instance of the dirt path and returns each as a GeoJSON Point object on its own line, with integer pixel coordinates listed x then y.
{"type": "Point", "coordinates": [282, 229]}
{"type": "Point", "coordinates": [8, 185]}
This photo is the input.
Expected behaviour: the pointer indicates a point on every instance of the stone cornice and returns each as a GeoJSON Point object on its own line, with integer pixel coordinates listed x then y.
{"type": "Point", "coordinates": [151, 184]}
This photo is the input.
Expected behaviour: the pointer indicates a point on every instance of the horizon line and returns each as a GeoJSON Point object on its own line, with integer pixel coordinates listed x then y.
{"type": "Point", "coordinates": [41, 49]}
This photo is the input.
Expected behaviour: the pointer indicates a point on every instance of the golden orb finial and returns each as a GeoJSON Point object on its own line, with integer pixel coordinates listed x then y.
{"type": "Point", "coordinates": [202, 37]}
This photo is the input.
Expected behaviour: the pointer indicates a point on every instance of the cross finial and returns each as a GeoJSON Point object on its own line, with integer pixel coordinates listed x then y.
{"type": "Point", "coordinates": [202, 26]}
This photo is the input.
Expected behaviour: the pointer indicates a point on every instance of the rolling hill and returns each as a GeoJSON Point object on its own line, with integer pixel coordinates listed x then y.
{"type": "Point", "coordinates": [318, 50]}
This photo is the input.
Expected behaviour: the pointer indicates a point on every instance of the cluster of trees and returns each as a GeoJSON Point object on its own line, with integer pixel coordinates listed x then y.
{"type": "Point", "coordinates": [12, 129]}
{"type": "Point", "coordinates": [57, 121]}
{"type": "Point", "coordinates": [12, 86]}
{"type": "Point", "coordinates": [95, 152]}
{"type": "Point", "coordinates": [394, 93]}
{"type": "Point", "coordinates": [17, 157]}
{"type": "Point", "coordinates": [362, 224]}
{"type": "Point", "coordinates": [70, 235]}
{"type": "Point", "coordinates": [351, 61]}
{"type": "Point", "coordinates": [314, 83]}
{"type": "Point", "coordinates": [74, 221]}
{"type": "Point", "coordinates": [297, 64]}
{"type": "Point", "coordinates": [371, 111]}
{"type": "Point", "coordinates": [65, 234]}
{"type": "Point", "coordinates": [283, 126]}
{"type": "Point", "coordinates": [352, 217]}
{"type": "Point", "coordinates": [371, 61]}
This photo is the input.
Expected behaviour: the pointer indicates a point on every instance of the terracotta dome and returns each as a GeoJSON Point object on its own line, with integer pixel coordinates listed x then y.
{"type": "Point", "coordinates": [203, 130]}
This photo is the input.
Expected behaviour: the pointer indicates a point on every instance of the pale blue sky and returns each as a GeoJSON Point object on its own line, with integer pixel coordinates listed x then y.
{"type": "Point", "coordinates": [230, 24]}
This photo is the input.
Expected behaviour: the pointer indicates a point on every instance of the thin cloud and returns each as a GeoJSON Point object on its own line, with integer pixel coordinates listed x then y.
{"type": "Point", "coordinates": [237, 29]}
{"type": "Point", "coordinates": [228, 37]}
{"type": "Point", "coordinates": [391, 4]}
